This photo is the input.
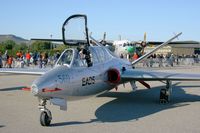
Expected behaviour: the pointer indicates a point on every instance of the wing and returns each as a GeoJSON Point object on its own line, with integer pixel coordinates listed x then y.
{"type": "Point", "coordinates": [132, 74]}
{"type": "Point", "coordinates": [69, 42]}
{"type": "Point", "coordinates": [175, 42]}
{"type": "Point", "coordinates": [27, 71]}
{"type": "Point", "coordinates": [48, 40]}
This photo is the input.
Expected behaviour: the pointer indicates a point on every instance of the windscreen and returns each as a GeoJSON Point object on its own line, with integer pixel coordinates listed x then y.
{"type": "Point", "coordinates": [66, 57]}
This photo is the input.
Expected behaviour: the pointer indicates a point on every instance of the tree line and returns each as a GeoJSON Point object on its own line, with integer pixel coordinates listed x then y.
{"type": "Point", "coordinates": [39, 46]}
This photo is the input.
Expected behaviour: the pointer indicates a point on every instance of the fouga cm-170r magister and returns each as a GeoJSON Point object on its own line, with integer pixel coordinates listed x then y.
{"type": "Point", "coordinates": [90, 69]}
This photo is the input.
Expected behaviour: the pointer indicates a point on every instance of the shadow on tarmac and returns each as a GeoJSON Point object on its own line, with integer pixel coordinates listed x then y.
{"type": "Point", "coordinates": [1, 126]}
{"type": "Point", "coordinates": [72, 123]}
{"type": "Point", "coordinates": [135, 105]}
{"type": "Point", "coordinates": [12, 88]}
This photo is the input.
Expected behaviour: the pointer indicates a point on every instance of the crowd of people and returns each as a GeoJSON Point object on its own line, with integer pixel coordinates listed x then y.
{"type": "Point", "coordinates": [41, 60]}
{"type": "Point", "coordinates": [169, 60]}
{"type": "Point", "coordinates": [160, 60]}
{"type": "Point", "coordinates": [28, 59]}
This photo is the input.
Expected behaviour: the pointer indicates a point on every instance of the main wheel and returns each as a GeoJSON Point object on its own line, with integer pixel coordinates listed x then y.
{"type": "Point", "coordinates": [45, 120]}
{"type": "Point", "coordinates": [164, 97]}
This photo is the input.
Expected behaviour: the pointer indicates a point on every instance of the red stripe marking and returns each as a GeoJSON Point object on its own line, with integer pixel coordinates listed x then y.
{"type": "Point", "coordinates": [145, 84]}
{"type": "Point", "coordinates": [51, 90]}
{"type": "Point", "coordinates": [26, 89]}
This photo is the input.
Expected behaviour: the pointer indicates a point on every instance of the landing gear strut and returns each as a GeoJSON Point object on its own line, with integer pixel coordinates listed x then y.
{"type": "Point", "coordinates": [45, 116]}
{"type": "Point", "coordinates": [166, 92]}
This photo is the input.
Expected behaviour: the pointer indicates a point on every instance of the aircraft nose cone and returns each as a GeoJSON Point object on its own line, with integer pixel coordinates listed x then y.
{"type": "Point", "coordinates": [34, 89]}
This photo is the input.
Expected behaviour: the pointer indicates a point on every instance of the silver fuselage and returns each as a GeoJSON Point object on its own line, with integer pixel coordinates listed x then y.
{"type": "Point", "coordinates": [72, 82]}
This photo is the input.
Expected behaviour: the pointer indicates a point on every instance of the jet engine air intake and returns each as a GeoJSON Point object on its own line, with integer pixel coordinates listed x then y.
{"type": "Point", "coordinates": [113, 76]}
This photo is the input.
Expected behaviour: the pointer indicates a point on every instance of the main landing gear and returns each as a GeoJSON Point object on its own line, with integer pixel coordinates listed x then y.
{"type": "Point", "coordinates": [166, 92]}
{"type": "Point", "coordinates": [45, 116]}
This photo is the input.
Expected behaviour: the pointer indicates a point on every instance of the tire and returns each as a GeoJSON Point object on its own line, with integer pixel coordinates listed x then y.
{"type": "Point", "coordinates": [44, 119]}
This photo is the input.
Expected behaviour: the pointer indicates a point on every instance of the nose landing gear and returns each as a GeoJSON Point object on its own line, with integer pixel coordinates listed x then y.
{"type": "Point", "coordinates": [45, 116]}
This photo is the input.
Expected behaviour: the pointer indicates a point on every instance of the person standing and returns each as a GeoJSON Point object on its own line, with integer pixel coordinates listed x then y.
{"type": "Point", "coordinates": [135, 56]}
{"type": "Point", "coordinates": [19, 54]}
{"type": "Point", "coordinates": [10, 61]}
{"type": "Point", "coordinates": [40, 61]}
{"type": "Point", "coordinates": [5, 59]}
{"type": "Point", "coordinates": [28, 57]}
{"type": "Point", "coordinates": [160, 60]}
{"type": "Point", "coordinates": [45, 60]}
{"type": "Point", "coordinates": [35, 58]}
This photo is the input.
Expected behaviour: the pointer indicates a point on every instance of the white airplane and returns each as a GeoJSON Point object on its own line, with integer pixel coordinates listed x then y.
{"type": "Point", "coordinates": [90, 70]}
{"type": "Point", "coordinates": [126, 47]}
{"type": "Point", "coordinates": [123, 47]}
{"type": "Point", "coordinates": [119, 47]}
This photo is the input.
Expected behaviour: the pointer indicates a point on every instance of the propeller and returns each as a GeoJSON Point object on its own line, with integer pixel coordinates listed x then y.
{"type": "Point", "coordinates": [104, 36]}
{"type": "Point", "coordinates": [143, 43]}
{"type": "Point", "coordinates": [103, 41]}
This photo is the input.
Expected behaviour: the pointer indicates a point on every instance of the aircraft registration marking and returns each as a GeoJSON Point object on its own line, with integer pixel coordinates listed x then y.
{"type": "Point", "coordinates": [88, 80]}
{"type": "Point", "coordinates": [63, 78]}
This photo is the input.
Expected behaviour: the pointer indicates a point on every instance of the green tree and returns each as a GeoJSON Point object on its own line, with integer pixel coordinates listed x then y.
{"type": "Point", "coordinates": [40, 45]}
{"type": "Point", "coordinates": [9, 44]}
{"type": "Point", "coordinates": [2, 47]}
{"type": "Point", "coordinates": [61, 47]}
{"type": "Point", "coordinates": [23, 46]}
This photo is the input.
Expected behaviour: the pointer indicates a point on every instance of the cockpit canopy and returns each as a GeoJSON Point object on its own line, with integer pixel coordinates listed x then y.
{"type": "Point", "coordinates": [74, 57]}
{"type": "Point", "coordinates": [75, 33]}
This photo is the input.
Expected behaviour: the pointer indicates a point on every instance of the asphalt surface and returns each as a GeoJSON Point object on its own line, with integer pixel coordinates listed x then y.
{"type": "Point", "coordinates": [119, 111]}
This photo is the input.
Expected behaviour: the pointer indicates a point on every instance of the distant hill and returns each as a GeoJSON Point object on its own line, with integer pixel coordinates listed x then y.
{"type": "Point", "coordinates": [14, 38]}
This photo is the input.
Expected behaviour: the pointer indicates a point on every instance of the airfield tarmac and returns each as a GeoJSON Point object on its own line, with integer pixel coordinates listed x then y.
{"type": "Point", "coordinates": [119, 111]}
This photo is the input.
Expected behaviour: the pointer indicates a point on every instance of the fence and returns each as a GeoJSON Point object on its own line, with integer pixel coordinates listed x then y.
{"type": "Point", "coordinates": [168, 62]}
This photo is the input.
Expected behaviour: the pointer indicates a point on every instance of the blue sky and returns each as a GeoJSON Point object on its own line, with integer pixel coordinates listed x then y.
{"type": "Point", "coordinates": [128, 18]}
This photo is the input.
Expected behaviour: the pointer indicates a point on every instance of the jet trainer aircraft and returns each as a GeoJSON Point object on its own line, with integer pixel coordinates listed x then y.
{"type": "Point", "coordinates": [90, 69]}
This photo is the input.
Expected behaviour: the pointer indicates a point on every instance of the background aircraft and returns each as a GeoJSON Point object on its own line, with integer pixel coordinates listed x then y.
{"type": "Point", "coordinates": [127, 48]}
{"type": "Point", "coordinates": [90, 69]}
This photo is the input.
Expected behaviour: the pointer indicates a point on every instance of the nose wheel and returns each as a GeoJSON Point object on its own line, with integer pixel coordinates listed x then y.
{"type": "Point", "coordinates": [45, 116]}
{"type": "Point", "coordinates": [45, 119]}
